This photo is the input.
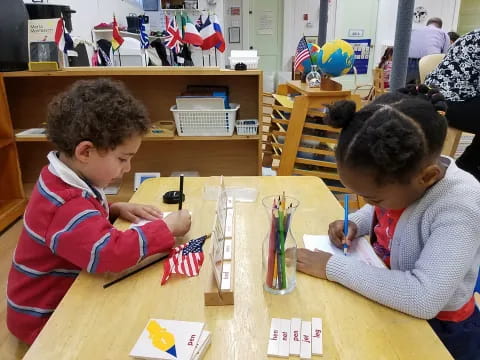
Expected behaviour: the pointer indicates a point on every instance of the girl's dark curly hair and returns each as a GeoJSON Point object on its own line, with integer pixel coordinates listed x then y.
{"type": "Point", "coordinates": [392, 136]}
{"type": "Point", "coordinates": [101, 111]}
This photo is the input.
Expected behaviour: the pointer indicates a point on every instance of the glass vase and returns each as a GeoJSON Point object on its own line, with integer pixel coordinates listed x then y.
{"type": "Point", "coordinates": [279, 251]}
{"type": "Point", "coordinates": [314, 78]}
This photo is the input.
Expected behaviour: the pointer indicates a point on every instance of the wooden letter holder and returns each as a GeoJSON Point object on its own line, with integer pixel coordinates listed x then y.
{"type": "Point", "coordinates": [220, 277]}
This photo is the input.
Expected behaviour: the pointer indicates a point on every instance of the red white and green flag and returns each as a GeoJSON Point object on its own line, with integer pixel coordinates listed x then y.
{"type": "Point", "coordinates": [190, 32]}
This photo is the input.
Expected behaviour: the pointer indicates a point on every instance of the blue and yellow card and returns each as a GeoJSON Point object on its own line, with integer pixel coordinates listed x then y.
{"type": "Point", "coordinates": [168, 339]}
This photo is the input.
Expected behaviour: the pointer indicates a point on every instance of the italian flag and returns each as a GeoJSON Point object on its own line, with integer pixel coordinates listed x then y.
{"type": "Point", "coordinates": [191, 34]}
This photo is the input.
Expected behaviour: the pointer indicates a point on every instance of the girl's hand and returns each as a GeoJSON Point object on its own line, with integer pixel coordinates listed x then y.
{"type": "Point", "coordinates": [337, 237]}
{"type": "Point", "coordinates": [313, 263]}
{"type": "Point", "coordinates": [135, 212]}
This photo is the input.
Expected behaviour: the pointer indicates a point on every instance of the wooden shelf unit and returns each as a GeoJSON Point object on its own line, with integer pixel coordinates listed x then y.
{"type": "Point", "coordinates": [12, 197]}
{"type": "Point", "coordinates": [28, 94]}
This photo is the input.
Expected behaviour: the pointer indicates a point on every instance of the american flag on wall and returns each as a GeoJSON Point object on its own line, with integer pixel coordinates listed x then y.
{"type": "Point", "coordinates": [302, 52]}
{"type": "Point", "coordinates": [185, 259]}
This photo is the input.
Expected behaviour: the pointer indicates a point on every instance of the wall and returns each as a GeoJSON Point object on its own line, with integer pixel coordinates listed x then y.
{"type": "Point", "coordinates": [469, 18]}
{"type": "Point", "coordinates": [447, 10]}
{"type": "Point", "coordinates": [295, 26]}
{"type": "Point", "coordinates": [91, 12]}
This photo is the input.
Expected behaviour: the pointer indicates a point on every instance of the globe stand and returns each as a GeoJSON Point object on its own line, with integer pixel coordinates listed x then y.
{"type": "Point", "coordinates": [303, 77]}
{"type": "Point", "coordinates": [328, 84]}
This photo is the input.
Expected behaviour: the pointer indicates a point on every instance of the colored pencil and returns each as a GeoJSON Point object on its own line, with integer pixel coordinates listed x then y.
{"type": "Point", "coordinates": [345, 224]}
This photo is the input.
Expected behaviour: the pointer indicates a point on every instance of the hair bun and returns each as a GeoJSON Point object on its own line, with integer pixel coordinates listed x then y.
{"type": "Point", "coordinates": [430, 94]}
{"type": "Point", "coordinates": [340, 114]}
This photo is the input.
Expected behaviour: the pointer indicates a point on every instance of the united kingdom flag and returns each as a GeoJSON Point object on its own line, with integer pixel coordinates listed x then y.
{"type": "Point", "coordinates": [174, 39]}
{"type": "Point", "coordinates": [185, 259]}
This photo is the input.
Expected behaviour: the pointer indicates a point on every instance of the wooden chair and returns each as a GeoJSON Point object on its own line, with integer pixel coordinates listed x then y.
{"type": "Point", "coordinates": [378, 81]}
{"type": "Point", "coordinates": [357, 85]}
{"type": "Point", "coordinates": [300, 142]}
{"type": "Point", "coordinates": [265, 128]}
{"type": "Point", "coordinates": [426, 65]}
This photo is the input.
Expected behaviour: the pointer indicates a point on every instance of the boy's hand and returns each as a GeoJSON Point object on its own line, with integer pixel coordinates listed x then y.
{"type": "Point", "coordinates": [179, 222]}
{"type": "Point", "coordinates": [313, 263]}
{"type": "Point", "coordinates": [135, 212]}
{"type": "Point", "coordinates": [337, 237]}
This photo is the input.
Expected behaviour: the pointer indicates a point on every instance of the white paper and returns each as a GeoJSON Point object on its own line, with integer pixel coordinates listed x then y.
{"type": "Point", "coordinates": [306, 341]}
{"type": "Point", "coordinates": [317, 336]}
{"type": "Point", "coordinates": [273, 340]}
{"type": "Point", "coordinates": [167, 339]}
{"type": "Point", "coordinates": [284, 342]}
{"type": "Point", "coordinates": [32, 132]}
{"type": "Point", "coordinates": [295, 333]}
{"type": "Point", "coordinates": [265, 24]}
{"type": "Point", "coordinates": [145, 221]}
{"type": "Point", "coordinates": [360, 249]}
{"type": "Point", "coordinates": [202, 345]}
{"type": "Point", "coordinates": [226, 276]}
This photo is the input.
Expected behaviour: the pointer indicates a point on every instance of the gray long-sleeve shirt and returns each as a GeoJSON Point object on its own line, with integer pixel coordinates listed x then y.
{"type": "Point", "coordinates": [435, 251]}
{"type": "Point", "coordinates": [428, 40]}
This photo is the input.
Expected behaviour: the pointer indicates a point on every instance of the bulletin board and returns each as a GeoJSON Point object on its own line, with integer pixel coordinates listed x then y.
{"type": "Point", "coordinates": [361, 47]}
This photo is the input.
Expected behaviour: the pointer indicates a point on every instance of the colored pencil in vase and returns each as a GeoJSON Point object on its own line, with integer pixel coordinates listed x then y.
{"type": "Point", "coordinates": [271, 250]}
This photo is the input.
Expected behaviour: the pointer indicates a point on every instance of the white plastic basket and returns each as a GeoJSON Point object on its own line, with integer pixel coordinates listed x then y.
{"type": "Point", "coordinates": [247, 127]}
{"type": "Point", "coordinates": [251, 62]}
{"type": "Point", "coordinates": [248, 57]}
{"type": "Point", "coordinates": [205, 122]}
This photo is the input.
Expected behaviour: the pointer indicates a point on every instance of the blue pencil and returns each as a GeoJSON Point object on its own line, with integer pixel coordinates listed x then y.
{"type": "Point", "coordinates": [345, 223]}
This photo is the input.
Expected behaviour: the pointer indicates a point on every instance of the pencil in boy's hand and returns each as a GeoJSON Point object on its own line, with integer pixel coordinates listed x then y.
{"type": "Point", "coordinates": [181, 193]}
{"type": "Point", "coordinates": [345, 224]}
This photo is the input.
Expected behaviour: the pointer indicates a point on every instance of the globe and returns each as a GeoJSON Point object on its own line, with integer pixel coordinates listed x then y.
{"type": "Point", "coordinates": [335, 58]}
{"type": "Point", "coordinates": [306, 65]}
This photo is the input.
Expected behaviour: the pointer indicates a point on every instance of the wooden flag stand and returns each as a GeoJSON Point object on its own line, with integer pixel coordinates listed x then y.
{"type": "Point", "coordinates": [329, 84]}
{"type": "Point", "coordinates": [220, 275]}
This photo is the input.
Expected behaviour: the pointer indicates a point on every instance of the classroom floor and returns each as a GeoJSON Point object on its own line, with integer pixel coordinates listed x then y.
{"type": "Point", "coordinates": [10, 347]}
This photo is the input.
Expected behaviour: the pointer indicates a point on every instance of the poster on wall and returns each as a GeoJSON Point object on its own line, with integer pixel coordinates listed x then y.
{"type": "Point", "coordinates": [361, 47]}
{"type": "Point", "coordinates": [265, 23]}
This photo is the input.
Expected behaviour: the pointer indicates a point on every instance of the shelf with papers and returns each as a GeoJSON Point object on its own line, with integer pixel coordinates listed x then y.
{"type": "Point", "coordinates": [148, 137]}
{"type": "Point", "coordinates": [28, 93]}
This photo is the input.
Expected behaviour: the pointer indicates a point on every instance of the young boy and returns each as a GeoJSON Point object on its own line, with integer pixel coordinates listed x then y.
{"type": "Point", "coordinates": [96, 127]}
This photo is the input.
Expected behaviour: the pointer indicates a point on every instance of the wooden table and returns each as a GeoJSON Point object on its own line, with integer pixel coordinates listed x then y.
{"type": "Point", "coordinates": [96, 323]}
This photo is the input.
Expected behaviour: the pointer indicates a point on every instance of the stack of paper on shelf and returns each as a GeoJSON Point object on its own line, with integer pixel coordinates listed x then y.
{"type": "Point", "coordinates": [200, 103]}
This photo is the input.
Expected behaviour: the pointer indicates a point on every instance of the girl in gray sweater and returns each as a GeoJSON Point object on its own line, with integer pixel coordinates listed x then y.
{"type": "Point", "coordinates": [423, 216]}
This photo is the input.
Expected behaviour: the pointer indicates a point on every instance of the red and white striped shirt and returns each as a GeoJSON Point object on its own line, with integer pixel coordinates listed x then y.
{"type": "Point", "coordinates": [66, 230]}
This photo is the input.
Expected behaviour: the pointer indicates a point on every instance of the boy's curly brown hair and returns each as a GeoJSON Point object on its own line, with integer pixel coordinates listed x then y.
{"type": "Point", "coordinates": [101, 111]}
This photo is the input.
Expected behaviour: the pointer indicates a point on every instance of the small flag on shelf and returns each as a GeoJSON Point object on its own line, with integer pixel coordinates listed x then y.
{"type": "Point", "coordinates": [117, 39]}
{"type": "Point", "coordinates": [302, 52]}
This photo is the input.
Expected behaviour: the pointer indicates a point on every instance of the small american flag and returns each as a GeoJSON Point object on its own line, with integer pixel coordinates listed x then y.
{"type": "Point", "coordinates": [185, 259]}
{"type": "Point", "coordinates": [302, 52]}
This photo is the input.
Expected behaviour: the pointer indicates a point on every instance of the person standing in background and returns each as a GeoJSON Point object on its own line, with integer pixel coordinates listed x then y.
{"type": "Point", "coordinates": [386, 65]}
{"type": "Point", "coordinates": [453, 36]}
{"type": "Point", "coordinates": [458, 79]}
{"type": "Point", "coordinates": [430, 39]}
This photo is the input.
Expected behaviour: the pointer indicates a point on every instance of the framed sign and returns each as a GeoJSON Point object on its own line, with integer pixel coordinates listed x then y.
{"type": "Point", "coordinates": [234, 35]}
{"type": "Point", "coordinates": [142, 176]}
